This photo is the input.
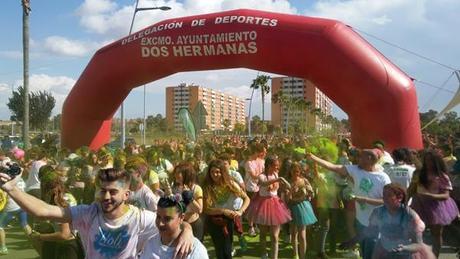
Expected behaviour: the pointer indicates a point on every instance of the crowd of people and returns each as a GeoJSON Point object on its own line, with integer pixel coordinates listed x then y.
{"type": "Point", "coordinates": [315, 194]}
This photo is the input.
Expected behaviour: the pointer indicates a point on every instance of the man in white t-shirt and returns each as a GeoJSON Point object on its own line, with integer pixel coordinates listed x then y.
{"type": "Point", "coordinates": [162, 166]}
{"type": "Point", "coordinates": [368, 183]}
{"type": "Point", "coordinates": [401, 173]}
{"type": "Point", "coordinates": [109, 228]}
{"type": "Point", "coordinates": [170, 215]}
{"type": "Point", "coordinates": [385, 159]}
{"type": "Point", "coordinates": [141, 196]}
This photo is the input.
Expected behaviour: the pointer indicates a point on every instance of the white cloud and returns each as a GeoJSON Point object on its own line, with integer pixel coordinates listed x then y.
{"type": "Point", "coordinates": [96, 6]}
{"type": "Point", "coordinates": [382, 20]}
{"type": "Point", "coordinates": [66, 47]}
{"type": "Point", "coordinates": [421, 26]}
{"type": "Point", "coordinates": [360, 12]}
{"type": "Point", "coordinates": [59, 86]}
{"type": "Point", "coordinates": [4, 87]}
{"type": "Point", "coordinates": [114, 20]}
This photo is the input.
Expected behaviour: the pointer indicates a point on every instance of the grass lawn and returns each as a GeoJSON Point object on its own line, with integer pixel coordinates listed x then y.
{"type": "Point", "coordinates": [19, 247]}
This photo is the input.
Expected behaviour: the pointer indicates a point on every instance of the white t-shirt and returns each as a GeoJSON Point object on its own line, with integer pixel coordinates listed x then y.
{"type": "Point", "coordinates": [269, 190]}
{"type": "Point", "coordinates": [367, 184]}
{"type": "Point", "coordinates": [400, 174]}
{"type": "Point", "coordinates": [386, 159]}
{"type": "Point", "coordinates": [144, 198]}
{"type": "Point", "coordinates": [257, 167]}
{"type": "Point", "coordinates": [11, 205]}
{"type": "Point", "coordinates": [163, 169]}
{"type": "Point", "coordinates": [32, 180]}
{"type": "Point", "coordinates": [154, 249]}
{"type": "Point", "coordinates": [236, 176]}
{"type": "Point", "coordinates": [119, 238]}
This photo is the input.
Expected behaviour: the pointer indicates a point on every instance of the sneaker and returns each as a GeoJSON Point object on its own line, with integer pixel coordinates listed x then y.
{"type": "Point", "coordinates": [3, 251]}
{"type": "Point", "coordinates": [265, 256]}
{"type": "Point", "coordinates": [243, 243]}
{"type": "Point", "coordinates": [252, 232]}
{"type": "Point", "coordinates": [233, 252]}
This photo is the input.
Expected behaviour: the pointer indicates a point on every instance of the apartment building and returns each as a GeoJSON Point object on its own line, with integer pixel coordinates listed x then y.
{"type": "Point", "coordinates": [295, 89]}
{"type": "Point", "coordinates": [209, 107]}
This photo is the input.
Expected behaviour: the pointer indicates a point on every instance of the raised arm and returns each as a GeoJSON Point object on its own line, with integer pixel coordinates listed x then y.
{"type": "Point", "coordinates": [339, 169]}
{"type": "Point", "coordinates": [32, 205]}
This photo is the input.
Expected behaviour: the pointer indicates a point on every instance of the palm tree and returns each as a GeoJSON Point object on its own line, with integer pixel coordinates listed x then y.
{"type": "Point", "coordinates": [25, 49]}
{"type": "Point", "coordinates": [261, 82]}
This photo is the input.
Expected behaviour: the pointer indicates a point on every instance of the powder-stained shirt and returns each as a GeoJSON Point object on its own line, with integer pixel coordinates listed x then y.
{"type": "Point", "coordinates": [119, 238]}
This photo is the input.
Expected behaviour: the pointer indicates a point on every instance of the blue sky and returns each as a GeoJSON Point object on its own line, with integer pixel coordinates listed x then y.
{"type": "Point", "coordinates": [65, 34]}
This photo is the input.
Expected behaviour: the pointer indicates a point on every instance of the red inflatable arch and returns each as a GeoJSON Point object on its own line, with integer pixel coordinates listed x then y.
{"type": "Point", "coordinates": [379, 99]}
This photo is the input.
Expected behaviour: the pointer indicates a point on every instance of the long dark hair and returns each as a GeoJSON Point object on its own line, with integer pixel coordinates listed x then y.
{"type": "Point", "coordinates": [220, 164]}
{"type": "Point", "coordinates": [294, 165]}
{"type": "Point", "coordinates": [209, 185]}
{"type": "Point", "coordinates": [438, 167]}
{"type": "Point", "coordinates": [269, 161]}
{"type": "Point", "coordinates": [187, 171]}
{"type": "Point", "coordinates": [52, 187]}
{"type": "Point", "coordinates": [285, 167]}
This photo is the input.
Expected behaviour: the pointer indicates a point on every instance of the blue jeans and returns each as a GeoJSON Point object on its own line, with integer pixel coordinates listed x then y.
{"type": "Point", "coordinates": [6, 217]}
{"type": "Point", "coordinates": [366, 246]}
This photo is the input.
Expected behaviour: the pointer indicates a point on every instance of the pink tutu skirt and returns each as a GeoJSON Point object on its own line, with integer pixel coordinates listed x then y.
{"type": "Point", "coordinates": [268, 211]}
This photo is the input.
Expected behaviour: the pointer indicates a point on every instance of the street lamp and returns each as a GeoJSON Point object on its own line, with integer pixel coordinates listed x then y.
{"type": "Point", "coordinates": [122, 109]}
{"type": "Point", "coordinates": [249, 115]}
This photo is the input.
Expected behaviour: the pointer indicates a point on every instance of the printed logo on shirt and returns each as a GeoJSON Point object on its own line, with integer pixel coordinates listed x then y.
{"type": "Point", "coordinates": [366, 185]}
{"type": "Point", "coordinates": [111, 242]}
{"type": "Point", "coordinates": [400, 172]}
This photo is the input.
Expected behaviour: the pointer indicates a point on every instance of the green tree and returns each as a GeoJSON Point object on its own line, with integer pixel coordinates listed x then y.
{"type": "Point", "coordinates": [239, 127]}
{"type": "Point", "coordinates": [56, 122]}
{"type": "Point", "coordinates": [444, 130]}
{"type": "Point", "coordinates": [261, 82]}
{"type": "Point", "coordinates": [156, 123]}
{"type": "Point", "coordinates": [285, 102]}
{"type": "Point", "coordinates": [263, 128]}
{"type": "Point", "coordinates": [226, 123]}
{"type": "Point", "coordinates": [256, 124]}
{"type": "Point", "coordinates": [41, 105]}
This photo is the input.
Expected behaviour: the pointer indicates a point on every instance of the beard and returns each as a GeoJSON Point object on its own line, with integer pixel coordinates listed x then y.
{"type": "Point", "coordinates": [111, 207]}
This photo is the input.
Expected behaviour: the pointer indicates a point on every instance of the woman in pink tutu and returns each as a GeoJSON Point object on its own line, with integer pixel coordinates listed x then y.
{"type": "Point", "coordinates": [432, 199]}
{"type": "Point", "coordinates": [267, 209]}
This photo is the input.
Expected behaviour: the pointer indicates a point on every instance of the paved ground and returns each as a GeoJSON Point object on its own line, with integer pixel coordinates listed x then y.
{"type": "Point", "coordinates": [20, 248]}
